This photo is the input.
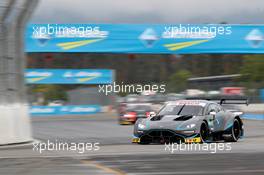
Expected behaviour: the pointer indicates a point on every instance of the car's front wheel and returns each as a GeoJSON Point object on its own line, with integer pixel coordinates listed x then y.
{"type": "Point", "coordinates": [204, 132]}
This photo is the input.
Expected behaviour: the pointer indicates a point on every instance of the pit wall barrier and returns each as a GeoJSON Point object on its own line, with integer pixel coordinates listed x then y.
{"type": "Point", "coordinates": [257, 108]}
{"type": "Point", "coordinates": [253, 111]}
{"type": "Point", "coordinates": [250, 116]}
{"type": "Point", "coordinates": [65, 110]}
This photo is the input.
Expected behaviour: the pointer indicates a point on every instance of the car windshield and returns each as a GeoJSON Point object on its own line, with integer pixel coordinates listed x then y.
{"type": "Point", "coordinates": [181, 110]}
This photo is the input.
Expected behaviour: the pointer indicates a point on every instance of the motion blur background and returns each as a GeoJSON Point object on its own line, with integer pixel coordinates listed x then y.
{"type": "Point", "coordinates": [184, 75]}
{"type": "Point", "coordinates": [177, 72]}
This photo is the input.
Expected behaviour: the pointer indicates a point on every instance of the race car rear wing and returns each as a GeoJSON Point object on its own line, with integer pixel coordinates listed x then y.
{"type": "Point", "coordinates": [239, 100]}
{"type": "Point", "coordinates": [234, 101]}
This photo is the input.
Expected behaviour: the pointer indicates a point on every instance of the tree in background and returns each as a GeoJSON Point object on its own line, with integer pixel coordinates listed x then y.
{"type": "Point", "coordinates": [253, 71]}
{"type": "Point", "coordinates": [51, 92]}
{"type": "Point", "coordinates": [178, 81]}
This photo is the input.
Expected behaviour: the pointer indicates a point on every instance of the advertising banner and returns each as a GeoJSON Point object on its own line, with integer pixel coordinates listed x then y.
{"type": "Point", "coordinates": [145, 38]}
{"type": "Point", "coordinates": [262, 95]}
{"type": "Point", "coordinates": [69, 76]}
{"type": "Point", "coordinates": [64, 110]}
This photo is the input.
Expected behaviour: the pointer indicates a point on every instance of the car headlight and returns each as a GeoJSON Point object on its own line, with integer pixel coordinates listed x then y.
{"type": "Point", "coordinates": [190, 126]}
{"type": "Point", "coordinates": [141, 126]}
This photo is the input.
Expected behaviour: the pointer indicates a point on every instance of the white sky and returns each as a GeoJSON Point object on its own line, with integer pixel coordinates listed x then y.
{"type": "Point", "coordinates": [149, 11]}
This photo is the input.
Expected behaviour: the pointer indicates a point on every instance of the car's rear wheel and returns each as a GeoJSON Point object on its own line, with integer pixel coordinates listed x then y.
{"type": "Point", "coordinates": [235, 131]}
{"type": "Point", "coordinates": [204, 132]}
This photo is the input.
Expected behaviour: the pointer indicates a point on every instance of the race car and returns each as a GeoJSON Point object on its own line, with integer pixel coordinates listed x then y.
{"type": "Point", "coordinates": [134, 111]}
{"type": "Point", "coordinates": [189, 121]}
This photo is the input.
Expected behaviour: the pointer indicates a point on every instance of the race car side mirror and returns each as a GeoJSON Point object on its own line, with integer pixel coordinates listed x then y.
{"type": "Point", "coordinates": [152, 114]}
{"type": "Point", "coordinates": [213, 113]}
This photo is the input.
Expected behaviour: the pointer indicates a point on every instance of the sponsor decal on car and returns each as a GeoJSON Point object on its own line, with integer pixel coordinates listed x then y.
{"type": "Point", "coordinates": [136, 140]}
{"type": "Point", "coordinates": [193, 140]}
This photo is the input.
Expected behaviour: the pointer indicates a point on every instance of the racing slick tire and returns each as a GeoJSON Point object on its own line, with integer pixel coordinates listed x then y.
{"type": "Point", "coordinates": [204, 132]}
{"type": "Point", "coordinates": [235, 131]}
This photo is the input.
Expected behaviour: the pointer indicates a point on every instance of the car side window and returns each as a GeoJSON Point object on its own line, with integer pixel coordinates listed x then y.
{"type": "Point", "coordinates": [214, 107]}
{"type": "Point", "coordinates": [210, 109]}
{"type": "Point", "coordinates": [220, 108]}
{"type": "Point", "coordinates": [217, 108]}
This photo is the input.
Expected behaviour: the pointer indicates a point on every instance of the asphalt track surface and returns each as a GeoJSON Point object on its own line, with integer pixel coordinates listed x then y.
{"type": "Point", "coordinates": [118, 156]}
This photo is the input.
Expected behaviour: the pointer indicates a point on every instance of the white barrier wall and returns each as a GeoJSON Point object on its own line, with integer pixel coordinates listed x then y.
{"type": "Point", "coordinates": [14, 124]}
{"type": "Point", "coordinates": [253, 108]}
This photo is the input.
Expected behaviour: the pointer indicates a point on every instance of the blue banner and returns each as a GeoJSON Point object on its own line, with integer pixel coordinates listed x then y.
{"type": "Point", "coordinates": [262, 95]}
{"type": "Point", "coordinates": [69, 76]}
{"type": "Point", "coordinates": [64, 110]}
{"type": "Point", "coordinates": [253, 116]}
{"type": "Point", "coordinates": [145, 38]}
